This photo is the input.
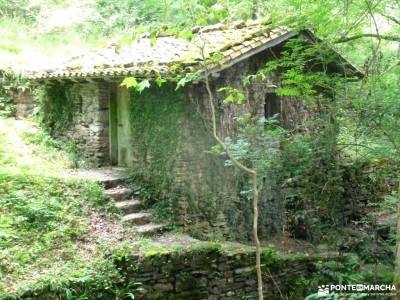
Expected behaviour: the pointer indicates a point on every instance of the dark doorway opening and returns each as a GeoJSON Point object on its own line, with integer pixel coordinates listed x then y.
{"type": "Point", "coordinates": [272, 105]}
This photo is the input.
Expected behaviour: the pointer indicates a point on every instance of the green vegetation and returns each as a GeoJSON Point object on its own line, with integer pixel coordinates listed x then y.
{"type": "Point", "coordinates": [10, 84]}
{"type": "Point", "coordinates": [41, 221]}
{"type": "Point", "coordinates": [155, 119]}
{"type": "Point", "coordinates": [55, 110]}
{"type": "Point", "coordinates": [334, 180]}
{"type": "Point", "coordinates": [47, 243]}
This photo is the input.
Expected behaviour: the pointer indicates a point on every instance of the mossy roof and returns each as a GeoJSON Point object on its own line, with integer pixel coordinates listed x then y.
{"type": "Point", "coordinates": [168, 55]}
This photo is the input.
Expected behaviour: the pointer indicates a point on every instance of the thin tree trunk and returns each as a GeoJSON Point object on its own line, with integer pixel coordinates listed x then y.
{"type": "Point", "coordinates": [255, 237]}
{"type": "Point", "coordinates": [247, 170]}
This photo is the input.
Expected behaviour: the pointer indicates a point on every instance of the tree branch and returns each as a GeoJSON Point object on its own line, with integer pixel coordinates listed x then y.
{"type": "Point", "coordinates": [366, 35]}
{"type": "Point", "coordinates": [393, 19]}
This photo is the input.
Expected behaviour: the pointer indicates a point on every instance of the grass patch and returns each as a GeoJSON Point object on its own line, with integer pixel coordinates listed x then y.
{"type": "Point", "coordinates": [43, 224]}
{"type": "Point", "coordinates": [47, 243]}
{"type": "Point", "coordinates": [53, 148]}
{"type": "Point", "coordinates": [5, 158]}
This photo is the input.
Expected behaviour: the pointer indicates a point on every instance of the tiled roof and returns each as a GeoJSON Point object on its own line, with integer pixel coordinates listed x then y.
{"type": "Point", "coordinates": [143, 58]}
{"type": "Point", "coordinates": [170, 55]}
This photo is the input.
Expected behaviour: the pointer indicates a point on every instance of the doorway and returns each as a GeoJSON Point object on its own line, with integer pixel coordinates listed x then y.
{"type": "Point", "coordinates": [121, 152]}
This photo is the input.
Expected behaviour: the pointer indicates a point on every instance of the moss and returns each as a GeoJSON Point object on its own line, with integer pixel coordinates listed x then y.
{"type": "Point", "coordinates": [235, 249]}
{"type": "Point", "coordinates": [153, 250]}
{"type": "Point", "coordinates": [205, 247]}
{"type": "Point", "coordinates": [149, 249]}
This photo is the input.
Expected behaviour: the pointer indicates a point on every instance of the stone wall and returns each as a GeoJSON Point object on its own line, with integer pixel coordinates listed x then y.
{"type": "Point", "coordinates": [171, 143]}
{"type": "Point", "coordinates": [211, 202]}
{"type": "Point", "coordinates": [215, 205]}
{"type": "Point", "coordinates": [215, 274]}
{"type": "Point", "coordinates": [23, 103]}
{"type": "Point", "coordinates": [90, 121]}
{"type": "Point", "coordinates": [202, 271]}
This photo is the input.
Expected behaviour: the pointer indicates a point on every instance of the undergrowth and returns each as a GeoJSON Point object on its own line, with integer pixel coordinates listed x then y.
{"type": "Point", "coordinates": [47, 243]}
{"type": "Point", "coordinates": [53, 147]}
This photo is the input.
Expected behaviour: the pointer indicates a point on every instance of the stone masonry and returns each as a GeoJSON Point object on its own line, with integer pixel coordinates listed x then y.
{"type": "Point", "coordinates": [90, 123]}
{"type": "Point", "coordinates": [214, 274]}
{"type": "Point", "coordinates": [23, 103]}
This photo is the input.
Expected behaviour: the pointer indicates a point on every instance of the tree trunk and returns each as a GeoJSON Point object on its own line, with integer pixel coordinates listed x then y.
{"type": "Point", "coordinates": [256, 10]}
{"type": "Point", "coordinates": [252, 173]}
{"type": "Point", "coordinates": [256, 240]}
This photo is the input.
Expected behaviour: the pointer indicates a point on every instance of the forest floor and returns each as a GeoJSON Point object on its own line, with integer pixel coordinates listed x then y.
{"type": "Point", "coordinates": [50, 225]}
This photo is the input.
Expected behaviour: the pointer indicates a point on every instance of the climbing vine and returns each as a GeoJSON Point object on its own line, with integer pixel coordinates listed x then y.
{"type": "Point", "coordinates": [155, 119]}
{"type": "Point", "coordinates": [55, 109]}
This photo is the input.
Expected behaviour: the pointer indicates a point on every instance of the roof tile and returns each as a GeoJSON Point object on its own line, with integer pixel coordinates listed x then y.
{"type": "Point", "coordinates": [142, 58]}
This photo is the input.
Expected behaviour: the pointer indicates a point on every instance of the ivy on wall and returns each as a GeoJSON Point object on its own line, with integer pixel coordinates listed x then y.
{"type": "Point", "coordinates": [154, 117]}
{"type": "Point", "coordinates": [55, 110]}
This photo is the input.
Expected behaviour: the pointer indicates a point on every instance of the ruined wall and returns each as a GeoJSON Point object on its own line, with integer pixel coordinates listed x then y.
{"type": "Point", "coordinates": [172, 139]}
{"type": "Point", "coordinates": [214, 274]}
{"type": "Point", "coordinates": [202, 271]}
{"type": "Point", "coordinates": [23, 103]}
{"type": "Point", "coordinates": [217, 201]}
{"type": "Point", "coordinates": [90, 121]}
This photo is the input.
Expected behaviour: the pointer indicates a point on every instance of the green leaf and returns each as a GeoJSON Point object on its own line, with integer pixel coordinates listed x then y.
{"type": "Point", "coordinates": [129, 82]}
{"type": "Point", "coordinates": [181, 83]}
{"type": "Point", "coordinates": [186, 35]}
{"type": "Point", "coordinates": [126, 40]}
{"type": "Point", "coordinates": [160, 81]}
{"type": "Point", "coordinates": [235, 96]}
{"type": "Point", "coordinates": [216, 56]}
{"type": "Point", "coordinates": [143, 85]}
{"type": "Point", "coordinates": [189, 77]}
{"type": "Point", "coordinates": [240, 98]}
{"type": "Point", "coordinates": [229, 99]}
{"type": "Point", "coordinates": [153, 38]}
{"type": "Point", "coordinates": [216, 149]}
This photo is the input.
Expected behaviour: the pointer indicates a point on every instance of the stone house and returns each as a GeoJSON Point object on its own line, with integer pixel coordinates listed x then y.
{"type": "Point", "coordinates": [164, 132]}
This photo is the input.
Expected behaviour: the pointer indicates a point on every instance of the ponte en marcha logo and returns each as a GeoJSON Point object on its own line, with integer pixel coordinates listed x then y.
{"type": "Point", "coordinates": [376, 289]}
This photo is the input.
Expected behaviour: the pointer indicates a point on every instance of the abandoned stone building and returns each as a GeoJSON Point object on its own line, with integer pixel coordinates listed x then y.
{"type": "Point", "coordinates": [163, 133]}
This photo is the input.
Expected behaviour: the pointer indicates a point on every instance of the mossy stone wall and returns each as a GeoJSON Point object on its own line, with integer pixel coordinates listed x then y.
{"type": "Point", "coordinates": [209, 272]}
{"type": "Point", "coordinates": [172, 142]}
{"type": "Point", "coordinates": [83, 117]}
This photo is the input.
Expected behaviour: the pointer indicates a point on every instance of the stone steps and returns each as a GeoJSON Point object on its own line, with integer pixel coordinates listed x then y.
{"type": "Point", "coordinates": [151, 228]}
{"type": "Point", "coordinates": [108, 176]}
{"type": "Point", "coordinates": [119, 193]}
{"type": "Point", "coordinates": [111, 183]}
{"type": "Point", "coordinates": [113, 180]}
{"type": "Point", "coordinates": [139, 218]}
{"type": "Point", "coordinates": [129, 206]}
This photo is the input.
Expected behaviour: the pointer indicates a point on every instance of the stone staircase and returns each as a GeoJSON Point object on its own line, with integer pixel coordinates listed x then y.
{"type": "Point", "coordinates": [132, 210]}
{"type": "Point", "coordinates": [113, 179]}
